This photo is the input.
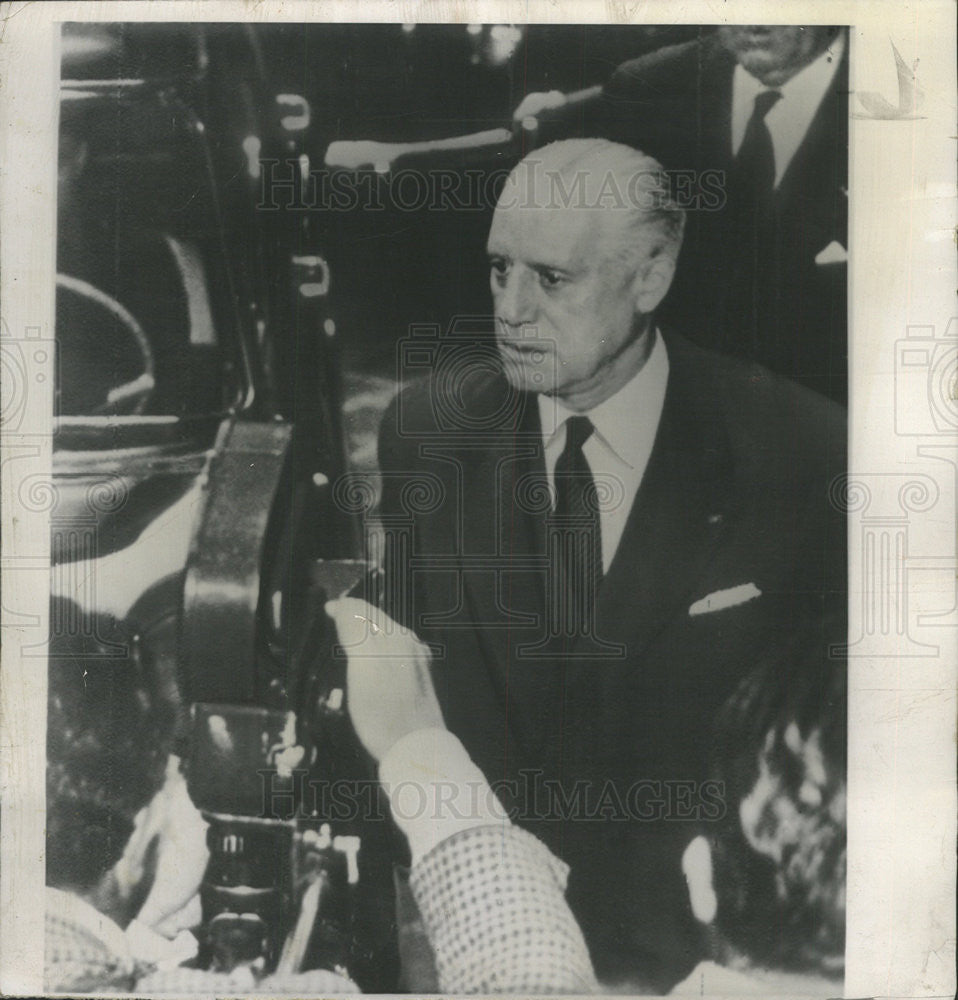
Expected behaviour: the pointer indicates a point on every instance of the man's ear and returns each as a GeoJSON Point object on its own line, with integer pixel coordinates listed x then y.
{"type": "Point", "coordinates": [697, 868]}
{"type": "Point", "coordinates": [652, 282]}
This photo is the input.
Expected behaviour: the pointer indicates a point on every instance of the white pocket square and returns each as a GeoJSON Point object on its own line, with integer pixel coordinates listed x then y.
{"type": "Point", "coordinates": [834, 253]}
{"type": "Point", "coordinates": [720, 599]}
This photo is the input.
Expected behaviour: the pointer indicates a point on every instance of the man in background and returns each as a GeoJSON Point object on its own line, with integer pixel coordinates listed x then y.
{"type": "Point", "coordinates": [752, 123]}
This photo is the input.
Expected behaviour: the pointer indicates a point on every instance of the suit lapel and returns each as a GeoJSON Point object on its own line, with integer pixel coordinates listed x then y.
{"type": "Point", "coordinates": [817, 171]}
{"type": "Point", "coordinates": [500, 485]}
{"type": "Point", "coordinates": [679, 514]}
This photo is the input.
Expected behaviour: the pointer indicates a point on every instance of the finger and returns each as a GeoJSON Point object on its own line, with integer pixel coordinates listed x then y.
{"type": "Point", "coordinates": [358, 621]}
{"type": "Point", "coordinates": [354, 609]}
{"type": "Point", "coordinates": [355, 619]}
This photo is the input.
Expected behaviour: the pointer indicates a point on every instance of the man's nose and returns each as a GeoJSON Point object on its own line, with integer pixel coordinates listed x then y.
{"type": "Point", "coordinates": [515, 298]}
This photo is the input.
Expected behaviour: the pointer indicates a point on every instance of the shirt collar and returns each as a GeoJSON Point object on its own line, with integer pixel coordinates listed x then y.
{"type": "Point", "coordinates": [626, 422]}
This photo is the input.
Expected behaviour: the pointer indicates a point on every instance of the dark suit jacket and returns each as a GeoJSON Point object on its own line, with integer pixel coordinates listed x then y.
{"type": "Point", "coordinates": [736, 493]}
{"type": "Point", "coordinates": [761, 295]}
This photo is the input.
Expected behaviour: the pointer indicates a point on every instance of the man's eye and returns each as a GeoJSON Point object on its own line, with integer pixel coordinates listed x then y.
{"type": "Point", "coordinates": [500, 268]}
{"type": "Point", "coordinates": [549, 279]}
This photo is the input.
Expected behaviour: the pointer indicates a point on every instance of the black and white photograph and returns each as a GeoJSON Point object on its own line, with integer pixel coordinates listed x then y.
{"type": "Point", "coordinates": [462, 567]}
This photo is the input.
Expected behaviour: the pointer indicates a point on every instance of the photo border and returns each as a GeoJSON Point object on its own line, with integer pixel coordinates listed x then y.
{"type": "Point", "coordinates": [903, 646]}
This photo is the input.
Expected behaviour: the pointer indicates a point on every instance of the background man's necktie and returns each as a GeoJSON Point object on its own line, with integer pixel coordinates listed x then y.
{"type": "Point", "coordinates": [749, 269]}
{"type": "Point", "coordinates": [575, 536]}
{"type": "Point", "coordinates": [753, 174]}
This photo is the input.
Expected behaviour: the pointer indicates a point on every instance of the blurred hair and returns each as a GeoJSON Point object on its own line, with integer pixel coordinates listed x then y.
{"type": "Point", "coordinates": [620, 182]}
{"type": "Point", "coordinates": [108, 739]}
{"type": "Point", "coordinates": [779, 854]}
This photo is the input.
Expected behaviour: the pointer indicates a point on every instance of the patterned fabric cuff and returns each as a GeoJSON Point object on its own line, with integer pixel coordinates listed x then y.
{"type": "Point", "coordinates": [492, 901]}
{"type": "Point", "coordinates": [84, 950]}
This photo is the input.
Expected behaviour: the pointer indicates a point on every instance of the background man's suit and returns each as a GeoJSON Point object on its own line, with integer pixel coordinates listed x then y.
{"type": "Point", "coordinates": [761, 295]}
{"type": "Point", "coordinates": [733, 510]}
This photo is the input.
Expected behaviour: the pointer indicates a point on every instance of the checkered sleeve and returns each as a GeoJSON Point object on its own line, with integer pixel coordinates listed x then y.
{"type": "Point", "coordinates": [493, 905]}
{"type": "Point", "coordinates": [84, 950]}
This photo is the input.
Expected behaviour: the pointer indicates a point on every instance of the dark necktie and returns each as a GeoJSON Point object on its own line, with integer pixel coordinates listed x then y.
{"type": "Point", "coordinates": [753, 174]}
{"type": "Point", "coordinates": [750, 238]}
{"type": "Point", "coordinates": [576, 536]}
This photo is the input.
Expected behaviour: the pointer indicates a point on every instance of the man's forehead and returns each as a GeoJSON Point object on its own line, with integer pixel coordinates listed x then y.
{"type": "Point", "coordinates": [558, 235]}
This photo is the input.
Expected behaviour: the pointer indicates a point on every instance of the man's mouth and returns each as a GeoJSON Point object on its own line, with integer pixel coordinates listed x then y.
{"type": "Point", "coordinates": [522, 353]}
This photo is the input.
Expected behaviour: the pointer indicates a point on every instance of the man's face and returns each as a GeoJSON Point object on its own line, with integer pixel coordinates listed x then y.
{"type": "Point", "coordinates": [774, 54]}
{"type": "Point", "coordinates": [564, 310]}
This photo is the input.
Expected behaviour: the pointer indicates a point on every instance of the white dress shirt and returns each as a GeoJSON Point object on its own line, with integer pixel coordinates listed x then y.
{"type": "Point", "coordinates": [789, 119]}
{"type": "Point", "coordinates": [618, 450]}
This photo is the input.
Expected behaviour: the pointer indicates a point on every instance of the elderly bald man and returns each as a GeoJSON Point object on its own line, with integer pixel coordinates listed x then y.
{"type": "Point", "coordinates": [600, 529]}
